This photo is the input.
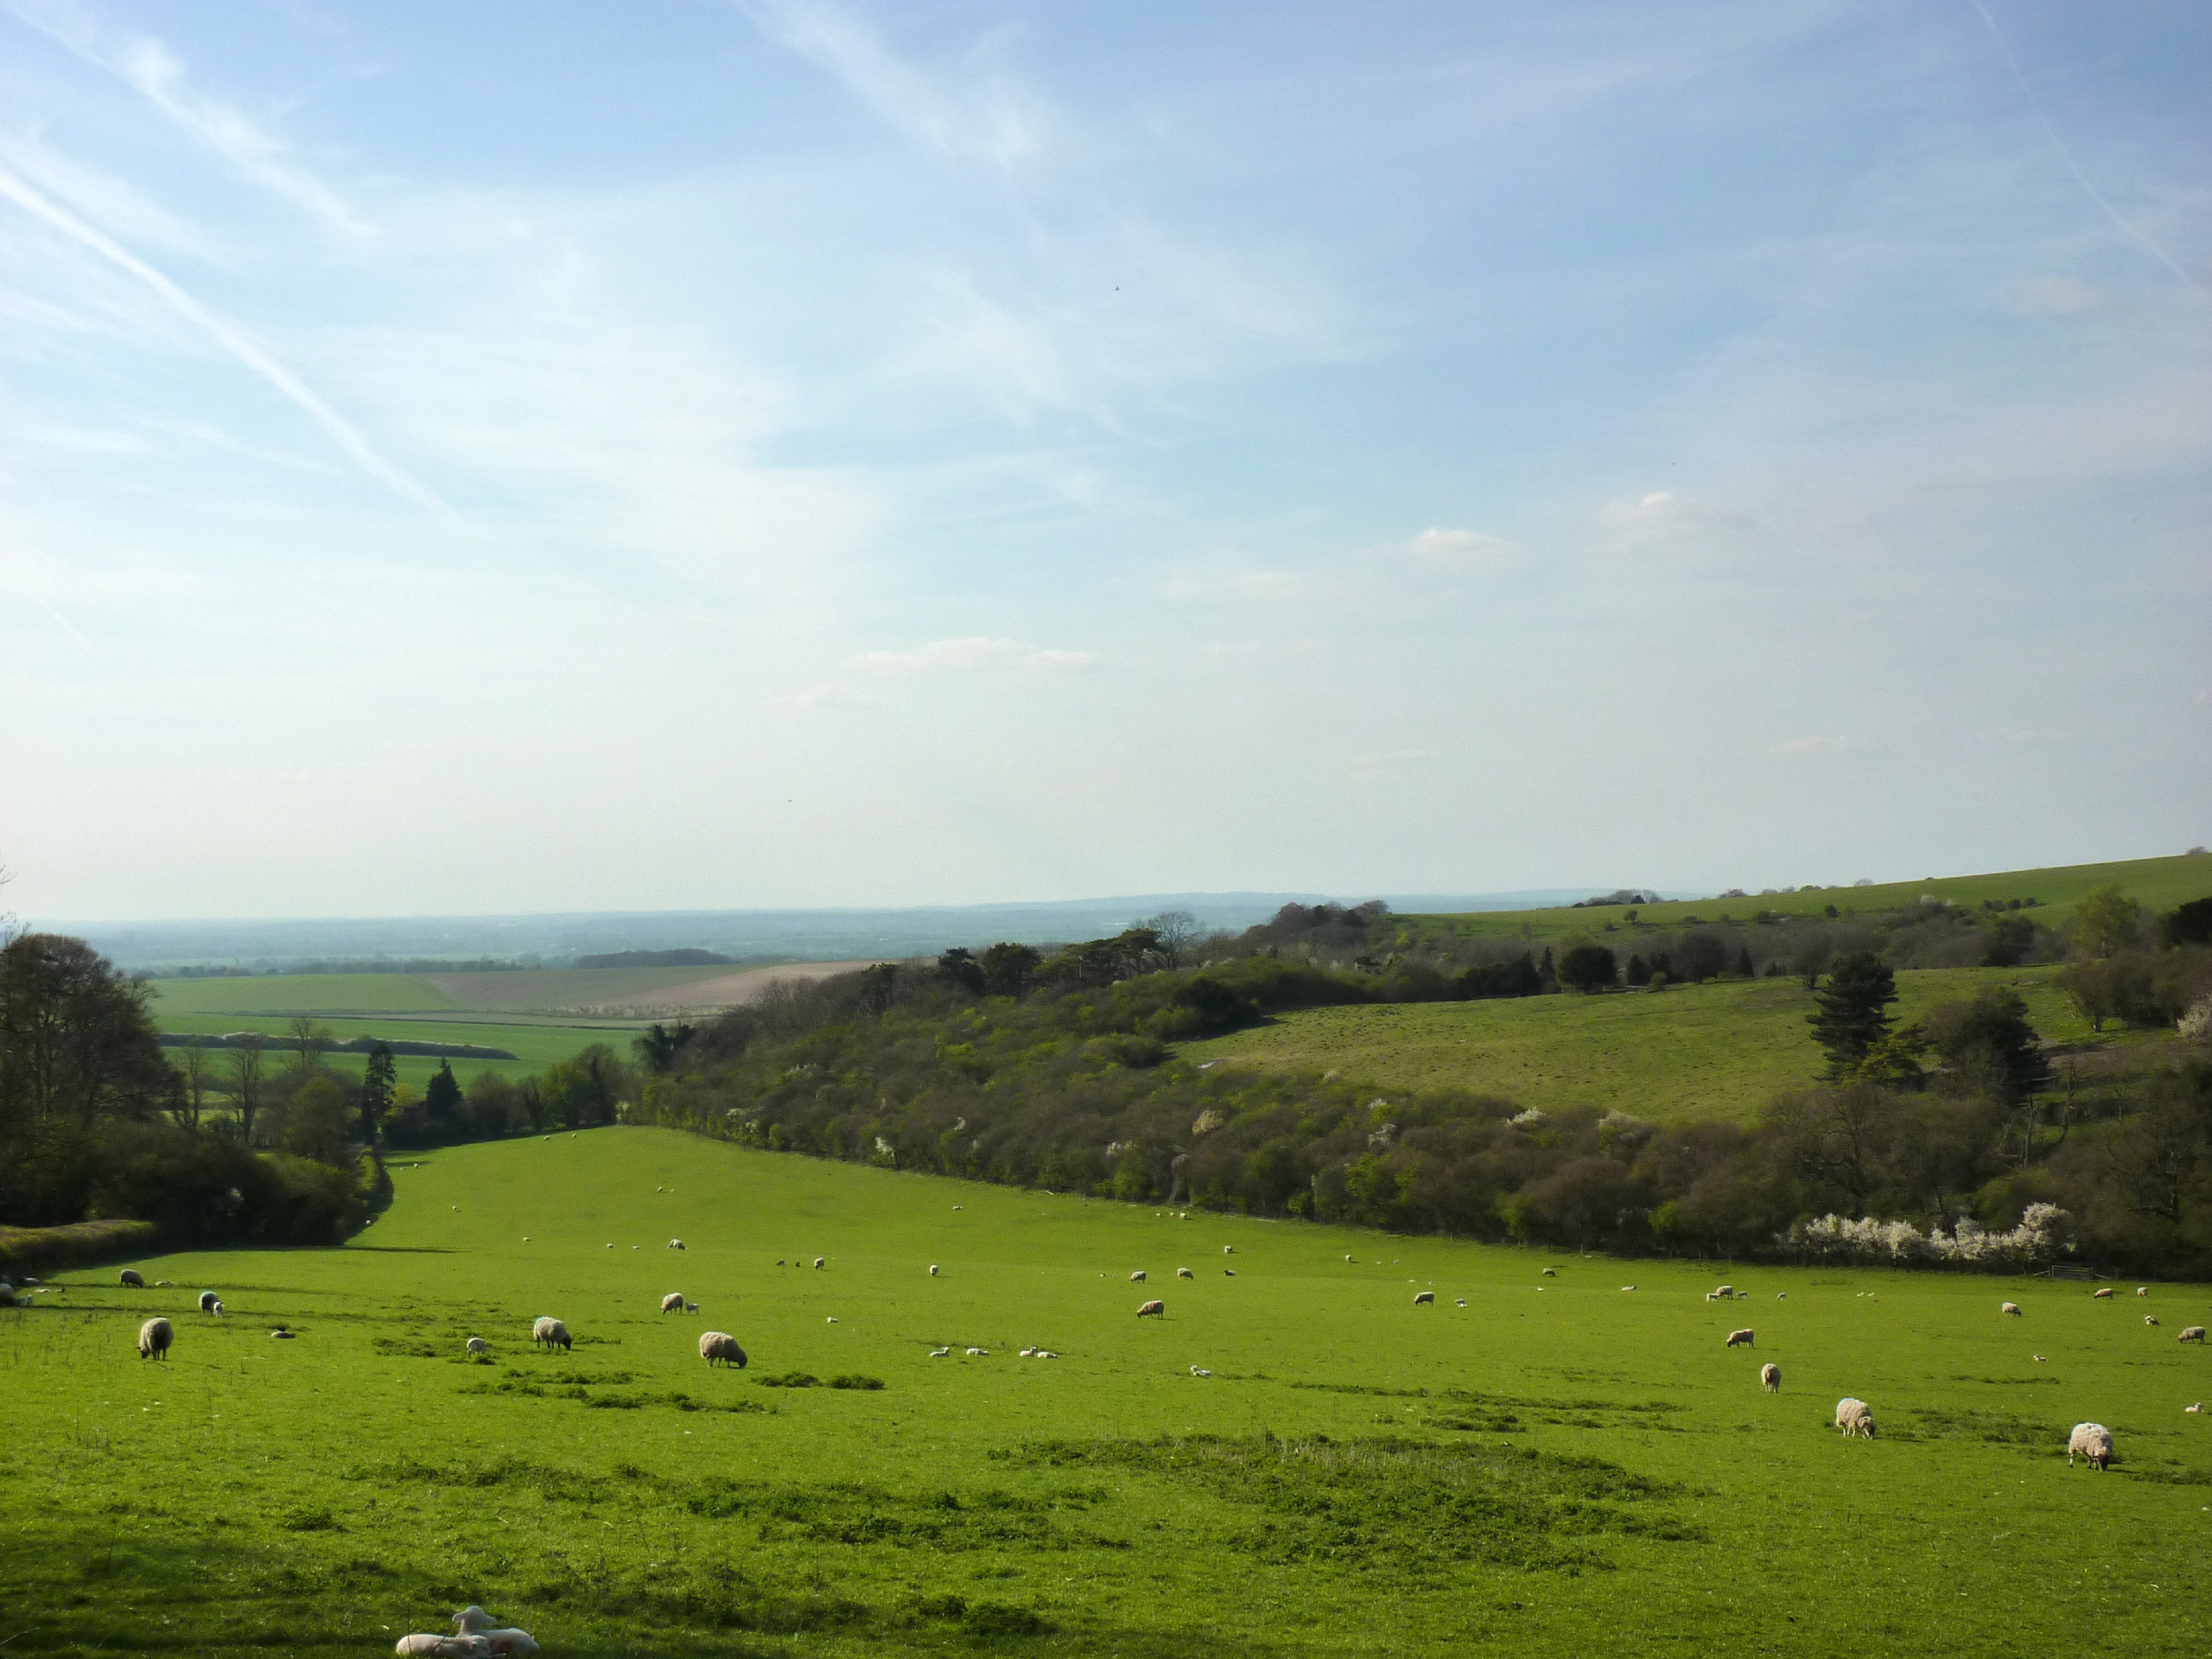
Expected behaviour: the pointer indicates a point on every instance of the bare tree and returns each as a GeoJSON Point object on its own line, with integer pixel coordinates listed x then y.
{"type": "Point", "coordinates": [243, 1085]}
{"type": "Point", "coordinates": [307, 1040]}
{"type": "Point", "coordinates": [1179, 936]}
{"type": "Point", "coordinates": [197, 1068]}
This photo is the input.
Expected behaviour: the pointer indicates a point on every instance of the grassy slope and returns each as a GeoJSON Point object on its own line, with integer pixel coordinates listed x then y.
{"type": "Point", "coordinates": [205, 1504]}
{"type": "Point", "coordinates": [2158, 884]}
{"type": "Point", "coordinates": [1717, 1050]}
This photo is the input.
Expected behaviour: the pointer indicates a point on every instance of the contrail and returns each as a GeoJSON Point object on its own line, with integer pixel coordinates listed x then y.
{"type": "Point", "coordinates": [340, 430]}
{"type": "Point", "coordinates": [2141, 238]}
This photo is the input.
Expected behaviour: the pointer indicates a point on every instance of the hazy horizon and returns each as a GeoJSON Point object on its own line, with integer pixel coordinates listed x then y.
{"type": "Point", "coordinates": [792, 454]}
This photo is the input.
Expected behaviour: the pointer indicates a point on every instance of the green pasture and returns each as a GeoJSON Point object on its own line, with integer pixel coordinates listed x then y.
{"type": "Point", "coordinates": [285, 994]}
{"type": "Point", "coordinates": [2157, 884]}
{"type": "Point", "coordinates": [556, 989]}
{"type": "Point", "coordinates": [1723, 1049]}
{"type": "Point", "coordinates": [534, 1046]}
{"type": "Point", "coordinates": [1560, 1467]}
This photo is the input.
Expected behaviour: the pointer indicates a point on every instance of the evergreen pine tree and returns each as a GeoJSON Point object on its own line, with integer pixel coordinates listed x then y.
{"type": "Point", "coordinates": [441, 1101]}
{"type": "Point", "coordinates": [1851, 1016]}
{"type": "Point", "coordinates": [378, 1084]}
{"type": "Point", "coordinates": [1744, 968]}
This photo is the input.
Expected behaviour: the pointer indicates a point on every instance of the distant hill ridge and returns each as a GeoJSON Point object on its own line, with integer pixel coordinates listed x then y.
{"type": "Point", "coordinates": [684, 957]}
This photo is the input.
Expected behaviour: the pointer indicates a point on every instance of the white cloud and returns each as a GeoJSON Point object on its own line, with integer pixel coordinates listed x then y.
{"type": "Point", "coordinates": [973, 655]}
{"type": "Point", "coordinates": [1461, 549]}
{"type": "Point", "coordinates": [150, 69]}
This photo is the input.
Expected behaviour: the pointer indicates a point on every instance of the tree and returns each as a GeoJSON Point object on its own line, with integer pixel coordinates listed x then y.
{"type": "Point", "coordinates": [314, 1122]}
{"type": "Point", "coordinates": [1639, 971]}
{"type": "Point", "coordinates": [1587, 968]}
{"type": "Point", "coordinates": [2107, 921]}
{"type": "Point", "coordinates": [308, 1039]}
{"type": "Point", "coordinates": [76, 1042]}
{"type": "Point", "coordinates": [1837, 1138]}
{"type": "Point", "coordinates": [1178, 934]}
{"type": "Point", "coordinates": [1851, 1016]}
{"type": "Point", "coordinates": [1010, 969]}
{"type": "Point", "coordinates": [245, 1081]}
{"type": "Point", "coordinates": [959, 968]}
{"type": "Point", "coordinates": [1744, 968]}
{"type": "Point", "coordinates": [659, 1049]}
{"type": "Point", "coordinates": [1698, 956]}
{"type": "Point", "coordinates": [1989, 1045]}
{"type": "Point", "coordinates": [378, 1083]}
{"type": "Point", "coordinates": [2188, 924]}
{"type": "Point", "coordinates": [196, 1072]}
{"type": "Point", "coordinates": [441, 1101]}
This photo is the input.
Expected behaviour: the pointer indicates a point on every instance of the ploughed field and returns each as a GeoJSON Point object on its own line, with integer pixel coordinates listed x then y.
{"type": "Point", "coordinates": [1560, 1467]}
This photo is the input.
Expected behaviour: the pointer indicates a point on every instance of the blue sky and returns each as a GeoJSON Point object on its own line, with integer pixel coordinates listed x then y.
{"type": "Point", "coordinates": [521, 457]}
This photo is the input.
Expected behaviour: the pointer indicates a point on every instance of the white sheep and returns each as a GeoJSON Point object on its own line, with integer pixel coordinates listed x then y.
{"type": "Point", "coordinates": [672, 1303]}
{"type": "Point", "coordinates": [1153, 1310]}
{"type": "Point", "coordinates": [1740, 1338]}
{"type": "Point", "coordinates": [1855, 1418]}
{"type": "Point", "coordinates": [477, 1345]}
{"type": "Point", "coordinates": [1424, 1298]}
{"type": "Point", "coordinates": [1551, 1272]}
{"type": "Point", "coordinates": [939, 1353]}
{"type": "Point", "coordinates": [719, 1347]}
{"type": "Point", "coordinates": [475, 1621]}
{"type": "Point", "coordinates": [207, 1302]}
{"type": "Point", "coordinates": [979, 1353]}
{"type": "Point", "coordinates": [2150, 1319]}
{"type": "Point", "coordinates": [1137, 1278]}
{"type": "Point", "coordinates": [2142, 1290]}
{"type": "Point", "coordinates": [549, 1333]}
{"type": "Point", "coordinates": [1724, 1292]}
{"type": "Point", "coordinates": [1628, 1286]}
{"type": "Point", "coordinates": [820, 1261]}
{"type": "Point", "coordinates": [675, 1244]}
{"type": "Point", "coordinates": [154, 1339]}
{"type": "Point", "coordinates": [2093, 1441]}
{"type": "Point", "coordinates": [424, 1646]}
{"type": "Point", "coordinates": [1199, 1370]}
{"type": "Point", "coordinates": [217, 1310]}
{"type": "Point", "coordinates": [1462, 1302]}
{"type": "Point", "coordinates": [1229, 1250]}
{"type": "Point", "coordinates": [932, 1269]}
{"type": "Point", "coordinates": [1770, 1377]}
{"type": "Point", "coordinates": [2198, 1407]}
{"type": "Point", "coordinates": [1185, 1273]}
{"type": "Point", "coordinates": [2194, 1333]}
{"type": "Point", "coordinates": [133, 1280]}
{"type": "Point", "coordinates": [2013, 1308]}
{"type": "Point", "coordinates": [2102, 1293]}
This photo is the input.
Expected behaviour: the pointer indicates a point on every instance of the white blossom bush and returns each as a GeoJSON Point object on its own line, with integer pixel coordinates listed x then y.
{"type": "Point", "coordinates": [2036, 1239]}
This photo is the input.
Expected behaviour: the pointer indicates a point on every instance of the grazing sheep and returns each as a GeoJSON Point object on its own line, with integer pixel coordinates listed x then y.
{"type": "Point", "coordinates": [1137, 1278]}
{"type": "Point", "coordinates": [1421, 1298]}
{"type": "Point", "coordinates": [2142, 1290]}
{"type": "Point", "coordinates": [477, 1345]}
{"type": "Point", "coordinates": [2013, 1308]}
{"type": "Point", "coordinates": [2194, 1333]}
{"type": "Point", "coordinates": [1628, 1286]}
{"type": "Point", "coordinates": [833, 1318]}
{"type": "Point", "coordinates": [475, 1622]}
{"type": "Point", "coordinates": [1740, 1338]}
{"type": "Point", "coordinates": [2150, 1319]}
{"type": "Point", "coordinates": [1153, 1310]}
{"type": "Point", "coordinates": [154, 1339]}
{"type": "Point", "coordinates": [675, 1244]}
{"type": "Point", "coordinates": [133, 1279]}
{"type": "Point", "coordinates": [217, 1310]}
{"type": "Point", "coordinates": [821, 1261]}
{"type": "Point", "coordinates": [2093, 1441]}
{"type": "Point", "coordinates": [2102, 1293]}
{"type": "Point", "coordinates": [283, 1334]}
{"type": "Point", "coordinates": [1855, 1418]}
{"type": "Point", "coordinates": [2037, 1357]}
{"type": "Point", "coordinates": [1229, 1273]}
{"type": "Point", "coordinates": [1229, 1250]}
{"type": "Point", "coordinates": [550, 1332]}
{"type": "Point", "coordinates": [1770, 1377]}
{"type": "Point", "coordinates": [690, 1307]}
{"type": "Point", "coordinates": [1462, 1302]}
{"type": "Point", "coordinates": [207, 1302]}
{"type": "Point", "coordinates": [932, 1269]}
{"type": "Point", "coordinates": [1347, 1258]}
{"type": "Point", "coordinates": [1551, 1272]}
{"type": "Point", "coordinates": [1712, 1296]}
{"type": "Point", "coordinates": [719, 1347]}
{"type": "Point", "coordinates": [672, 1303]}
{"type": "Point", "coordinates": [1780, 1295]}
{"type": "Point", "coordinates": [1185, 1273]}
{"type": "Point", "coordinates": [1724, 1292]}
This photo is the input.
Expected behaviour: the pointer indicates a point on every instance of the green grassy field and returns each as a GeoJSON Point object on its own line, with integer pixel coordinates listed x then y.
{"type": "Point", "coordinates": [1557, 1468]}
{"type": "Point", "coordinates": [534, 1045]}
{"type": "Point", "coordinates": [1723, 1049]}
{"type": "Point", "coordinates": [2157, 884]}
{"type": "Point", "coordinates": [524, 991]}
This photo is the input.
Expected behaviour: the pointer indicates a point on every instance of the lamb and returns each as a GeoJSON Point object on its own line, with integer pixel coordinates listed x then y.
{"type": "Point", "coordinates": [820, 1261]}
{"type": "Point", "coordinates": [217, 1310]}
{"type": "Point", "coordinates": [939, 1353]}
{"type": "Point", "coordinates": [719, 1346]}
{"type": "Point", "coordinates": [2013, 1308]}
{"type": "Point", "coordinates": [1229, 1273]}
{"type": "Point", "coordinates": [690, 1307]}
{"type": "Point", "coordinates": [2102, 1293]}
{"type": "Point", "coordinates": [154, 1339]}
{"type": "Point", "coordinates": [675, 1244]}
{"type": "Point", "coordinates": [1551, 1272]}
{"type": "Point", "coordinates": [2093, 1441]}
{"type": "Point", "coordinates": [2194, 1333]}
{"type": "Point", "coordinates": [1770, 1377]}
{"type": "Point", "coordinates": [2198, 1407]}
{"type": "Point", "coordinates": [1855, 1418]}
{"type": "Point", "coordinates": [443, 1647]}
{"type": "Point", "coordinates": [1743, 1337]}
{"type": "Point", "coordinates": [1229, 1250]}
{"type": "Point", "coordinates": [932, 1269]}
{"type": "Point", "coordinates": [2142, 1290]}
{"type": "Point", "coordinates": [550, 1332]}
{"type": "Point", "coordinates": [1137, 1278]}
{"type": "Point", "coordinates": [1185, 1273]}
{"type": "Point", "coordinates": [1153, 1310]}
{"type": "Point", "coordinates": [1423, 1297]}
{"type": "Point", "coordinates": [473, 1621]}
{"type": "Point", "coordinates": [672, 1303]}
{"type": "Point", "coordinates": [2150, 1319]}
{"type": "Point", "coordinates": [1347, 1258]}
{"type": "Point", "coordinates": [477, 1345]}
{"type": "Point", "coordinates": [134, 1279]}
{"type": "Point", "coordinates": [1199, 1370]}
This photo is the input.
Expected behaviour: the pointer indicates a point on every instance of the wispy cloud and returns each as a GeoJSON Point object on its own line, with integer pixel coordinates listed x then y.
{"type": "Point", "coordinates": [225, 334]}
{"type": "Point", "coordinates": [1461, 549]}
{"type": "Point", "coordinates": [2053, 296]}
{"type": "Point", "coordinates": [974, 654]}
{"type": "Point", "coordinates": [986, 117]}
{"type": "Point", "coordinates": [148, 66]}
